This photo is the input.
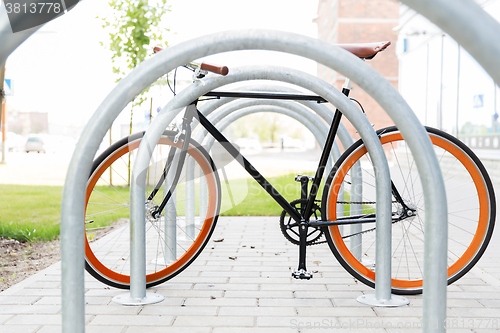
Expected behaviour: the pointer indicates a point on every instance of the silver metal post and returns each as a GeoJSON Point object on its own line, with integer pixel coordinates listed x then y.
{"type": "Point", "coordinates": [203, 197]}
{"type": "Point", "coordinates": [137, 260]}
{"type": "Point", "coordinates": [138, 295]}
{"type": "Point", "coordinates": [171, 216]}
{"type": "Point", "coordinates": [72, 208]}
{"type": "Point", "coordinates": [190, 198]}
{"type": "Point", "coordinates": [355, 242]}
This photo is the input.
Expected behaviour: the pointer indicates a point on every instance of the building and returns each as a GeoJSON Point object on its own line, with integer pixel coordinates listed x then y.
{"type": "Point", "coordinates": [361, 21]}
{"type": "Point", "coordinates": [25, 123]}
{"type": "Point", "coordinates": [446, 87]}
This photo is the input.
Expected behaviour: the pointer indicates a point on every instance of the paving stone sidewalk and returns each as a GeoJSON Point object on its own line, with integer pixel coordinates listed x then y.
{"type": "Point", "coordinates": [254, 293]}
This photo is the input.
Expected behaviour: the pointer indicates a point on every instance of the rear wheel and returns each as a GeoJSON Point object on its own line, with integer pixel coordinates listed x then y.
{"type": "Point", "coordinates": [174, 240]}
{"type": "Point", "coordinates": [471, 210]}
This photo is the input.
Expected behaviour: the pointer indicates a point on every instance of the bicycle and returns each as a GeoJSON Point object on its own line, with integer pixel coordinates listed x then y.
{"type": "Point", "coordinates": [177, 232]}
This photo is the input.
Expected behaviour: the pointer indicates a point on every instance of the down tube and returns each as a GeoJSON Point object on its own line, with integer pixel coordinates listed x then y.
{"type": "Point", "coordinates": [249, 168]}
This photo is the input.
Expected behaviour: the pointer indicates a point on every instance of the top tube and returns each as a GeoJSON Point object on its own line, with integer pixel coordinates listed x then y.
{"type": "Point", "coordinates": [295, 97]}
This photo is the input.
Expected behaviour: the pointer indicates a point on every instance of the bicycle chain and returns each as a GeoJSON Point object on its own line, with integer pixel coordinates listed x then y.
{"type": "Point", "coordinates": [317, 241]}
{"type": "Point", "coordinates": [361, 202]}
{"type": "Point", "coordinates": [358, 233]}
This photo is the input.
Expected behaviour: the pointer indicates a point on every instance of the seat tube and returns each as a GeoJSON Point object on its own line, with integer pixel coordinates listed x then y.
{"type": "Point", "coordinates": [355, 243]}
{"type": "Point", "coordinates": [346, 88]}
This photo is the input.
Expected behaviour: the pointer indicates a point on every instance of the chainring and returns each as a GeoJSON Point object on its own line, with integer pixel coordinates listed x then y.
{"type": "Point", "coordinates": [290, 228]}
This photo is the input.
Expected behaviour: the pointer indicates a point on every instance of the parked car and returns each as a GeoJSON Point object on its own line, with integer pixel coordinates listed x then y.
{"type": "Point", "coordinates": [35, 143]}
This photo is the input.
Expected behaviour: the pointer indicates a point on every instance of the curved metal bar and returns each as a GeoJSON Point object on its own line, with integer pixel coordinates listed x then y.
{"type": "Point", "coordinates": [469, 25]}
{"type": "Point", "coordinates": [324, 112]}
{"type": "Point", "coordinates": [224, 122]}
{"type": "Point", "coordinates": [354, 115]}
{"type": "Point", "coordinates": [72, 210]}
{"type": "Point", "coordinates": [9, 41]}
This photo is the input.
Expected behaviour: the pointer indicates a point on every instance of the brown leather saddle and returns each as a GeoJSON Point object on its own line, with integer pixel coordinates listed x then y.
{"type": "Point", "coordinates": [365, 50]}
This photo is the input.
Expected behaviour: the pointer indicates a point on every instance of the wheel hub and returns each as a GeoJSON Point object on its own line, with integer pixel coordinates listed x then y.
{"type": "Point", "coordinates": [150, 210]}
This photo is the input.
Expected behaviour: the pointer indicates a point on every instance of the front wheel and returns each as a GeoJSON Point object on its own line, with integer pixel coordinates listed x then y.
{"type": "Point", "coordinates": [173, 240]}
{"type": "Point", "coordinates": [470, 200]}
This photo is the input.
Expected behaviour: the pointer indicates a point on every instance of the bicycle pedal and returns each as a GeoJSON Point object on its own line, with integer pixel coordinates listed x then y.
{"type": "Point", "coordinates": [299, 178]}
{"type": "Point", "coordinates": [302, 274]}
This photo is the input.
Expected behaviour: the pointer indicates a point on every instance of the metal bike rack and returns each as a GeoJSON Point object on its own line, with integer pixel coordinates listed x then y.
{"type": "Point", "coordinates": [9, 40]}
{"type": "Point", "coordinates": [320, 109]}
{"type": "Point", "coordinates": [470, 25]}
{"type": "Point", "coordinates": [383, 295]}
{"type": "Point", "coordinates": [323, 112]}
{"type": "Point", "coordinates": [72, 233]}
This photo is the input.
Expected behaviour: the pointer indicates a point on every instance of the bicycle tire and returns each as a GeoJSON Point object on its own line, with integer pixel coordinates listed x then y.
{"type": "Point", "coordinates": [471, 218]}
{"type": "Point", "coordinates": [107, 194]}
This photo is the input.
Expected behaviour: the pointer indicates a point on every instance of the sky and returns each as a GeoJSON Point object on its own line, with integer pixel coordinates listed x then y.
{"type": "Point", "coordinates": [63, 70]}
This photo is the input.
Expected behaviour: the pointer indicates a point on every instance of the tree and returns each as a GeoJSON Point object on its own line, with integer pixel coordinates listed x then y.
{"type": "Point", "coordinates": [134, 25]}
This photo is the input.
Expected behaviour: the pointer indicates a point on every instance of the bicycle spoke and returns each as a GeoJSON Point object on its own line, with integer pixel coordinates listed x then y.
{"type": "Point", "coordinates": [108, 211]}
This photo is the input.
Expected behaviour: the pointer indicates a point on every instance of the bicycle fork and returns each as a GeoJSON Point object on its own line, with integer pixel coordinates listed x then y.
{"type": "Point", "coordinates": [186, 128]}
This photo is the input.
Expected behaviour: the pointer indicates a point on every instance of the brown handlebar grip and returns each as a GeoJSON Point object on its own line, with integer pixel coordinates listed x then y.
{"type": "Point", "coordinates": [222, 70]}
{"type": "Point", "coordinates": [157, 49]}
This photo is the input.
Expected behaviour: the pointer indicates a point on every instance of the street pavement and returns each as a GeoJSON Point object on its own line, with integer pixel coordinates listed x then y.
{"type": "Point", "coordinates": [254, 293]}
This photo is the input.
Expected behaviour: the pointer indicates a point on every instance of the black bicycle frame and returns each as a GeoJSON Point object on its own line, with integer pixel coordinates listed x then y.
{"type": "Point", "coordinates": [193, 112]}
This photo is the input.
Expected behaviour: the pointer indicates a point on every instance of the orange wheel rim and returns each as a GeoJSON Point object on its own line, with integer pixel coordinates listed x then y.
{"type": "Point", "coordinates": [465, 258]}
{"type": "Point", "coordinates": [191, 251]}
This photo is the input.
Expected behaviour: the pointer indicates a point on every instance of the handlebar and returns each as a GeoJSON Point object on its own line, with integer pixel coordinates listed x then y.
{"type": "Point", "coordinates": [221, 70]}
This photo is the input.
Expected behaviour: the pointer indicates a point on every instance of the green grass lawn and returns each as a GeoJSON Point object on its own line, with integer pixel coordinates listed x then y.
{"type": "Point", "coordinates": [32, 213]}
{"type": "Point", "coordinates": [257, 201]}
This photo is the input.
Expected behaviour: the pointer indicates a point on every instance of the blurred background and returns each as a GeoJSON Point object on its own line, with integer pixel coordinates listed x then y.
{"type": "Point", "coordinates": [59, 76]}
